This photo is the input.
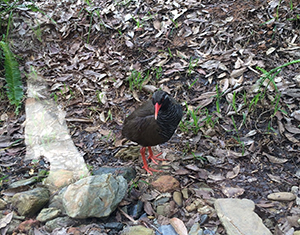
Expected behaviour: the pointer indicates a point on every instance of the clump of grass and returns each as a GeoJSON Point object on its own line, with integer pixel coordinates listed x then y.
{"type": "Point", "coordinates": [137, 79]}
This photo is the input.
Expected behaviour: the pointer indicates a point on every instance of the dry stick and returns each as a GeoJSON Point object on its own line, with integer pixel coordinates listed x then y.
{"type": "Point", "coordinates": [128, 216]}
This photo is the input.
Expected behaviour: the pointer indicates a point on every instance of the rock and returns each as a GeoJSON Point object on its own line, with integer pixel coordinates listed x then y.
{"type": "Point", "coordinates": [177, 197]}
{"type": "Point", "coordinates": [137, 230]}
{"type": "Point", "coordinates": [30, 202]}
{"type": "Point", "coordinates": [185, 193]}
{"type": "Point", "coordinates": [2, 204]}
{"type": "Point", "coordinates": [196, 230]}
{"type": "Point", "coordinates": [94, 196]}
{"type": "Point", "coordinates": [136, 210]}
{"type": "Point", "coordinates": [238, 217]}
{"type": "Point", "coordinates": [59, 222]}
{"type": "Point", "coordinates": [296, 233]}
{"type": "Point", "coordinates": [27, 225]}
{"type": "Point", "coordinates": [24, 182]}
{"type": "Point", "coordinates": [127, 172]}
{"type": "Point", "coordinates": [282, 196]}
{"type": "Point", "coordinates": [47, 214]}
{"type": "Point", "coordinates": [195, 205]}
{"type": "Point", "coordinates": [166, 183]}
{"type": "Point", "coordinates": [58, 179]}
{"type": "Point", "coordinates": [163, 209]}
{"type": "Point", "coordinates": [167, 230]}
{"type": "Point", "coordinates": [113, 225]}
{"type": "Point", "coordinates": [57, 201]}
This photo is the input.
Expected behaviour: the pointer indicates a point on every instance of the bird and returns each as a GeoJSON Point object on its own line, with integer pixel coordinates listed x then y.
{"type": "Point", "coordinates": [153, 123]}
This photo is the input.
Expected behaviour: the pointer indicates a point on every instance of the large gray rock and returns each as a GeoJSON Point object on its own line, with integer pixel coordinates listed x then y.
{"type": "Point", "coordinates": [238, 217]}
{"type": "Point", "coordinates": [94, 196]}
{"type": "Point", "coordinates": [30, 202]}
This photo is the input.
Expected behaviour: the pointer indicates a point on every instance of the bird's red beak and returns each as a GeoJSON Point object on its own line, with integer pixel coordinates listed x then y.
{"type": "Point", "coordinates": [157, 107]}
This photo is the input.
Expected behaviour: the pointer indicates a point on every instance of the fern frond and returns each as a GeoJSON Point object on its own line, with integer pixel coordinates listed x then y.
{"type": "Point", "coordinates": [13, 77]}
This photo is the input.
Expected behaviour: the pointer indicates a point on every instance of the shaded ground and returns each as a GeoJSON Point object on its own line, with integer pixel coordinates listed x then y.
{"type": "Point", "coordinates": [205, 54]}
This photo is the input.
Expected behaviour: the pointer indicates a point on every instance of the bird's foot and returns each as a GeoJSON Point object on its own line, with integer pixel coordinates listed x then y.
{"type": "Point", "coordinates": [149, 169]}
{"type": "Point", "coordinates": [154, 158]}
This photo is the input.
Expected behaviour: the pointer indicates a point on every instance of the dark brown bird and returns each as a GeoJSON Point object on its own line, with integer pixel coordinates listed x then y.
{"type": "Point", "coordinates": [153, 123]}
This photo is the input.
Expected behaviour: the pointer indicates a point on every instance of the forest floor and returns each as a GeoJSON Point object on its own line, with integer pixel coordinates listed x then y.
{"type": "Point", "coordinates": [231, 64]}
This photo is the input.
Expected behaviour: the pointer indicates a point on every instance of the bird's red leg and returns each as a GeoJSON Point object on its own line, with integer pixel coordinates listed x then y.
{"type": "Point", "coordinates": [148, 169]}
{"type": "Point", "coordinates": [152, 157]}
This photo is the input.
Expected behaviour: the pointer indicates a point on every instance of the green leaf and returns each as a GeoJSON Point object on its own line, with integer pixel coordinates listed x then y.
{"type": "Point", "coordinates": [12, 77]}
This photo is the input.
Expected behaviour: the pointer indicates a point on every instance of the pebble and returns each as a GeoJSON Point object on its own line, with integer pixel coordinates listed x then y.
{"type": "Point", "coordinates": [113, 225]}
{"type": "Point", "coordinates": [166, 183]}
{"type": "Point", "coordinates": [47, 214]}
{"type": "Point", "coordinates": [24, 182]}
{"type": "Point", "coordinates": [137, 230]}
{"type": "Point", "coordinates": [196, 230]}
{"type": "Point", "coordinates": [198, 203]}
{"type": "Point", "coordinates": [166, 230]}
{"type": "Point", "coordinates": [282, 196]}
{"type": "Point", "coordinates": [136, 210]}
{"type": "Point", "coordinates": [177, 197]}
{"type": "Point", "coordinates": [185, 193]}
{"type": "Point", "coordinates": [59, 222]}
{"type": "Point", "coordinates": [163, 209]}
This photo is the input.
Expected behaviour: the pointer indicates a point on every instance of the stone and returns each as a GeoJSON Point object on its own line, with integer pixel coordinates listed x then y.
{"type": "Point", "coordinates": [30, 202]}
{"type": "Point", "coordinates": [167, 229]}
{"type": "Point", "coordinates": [24, 182]}
{"type": "Point", "coordinates": [47, 214]}
{"type": "Point", "coordinates": [177, 197]}
{"type": "Point", "coordinates": [196, 230]}
{"type": "Point", "coordinates": [59, 179]}
{"type": "Point", "coordinates": [166, 183]}
{"type": "Point", "coordinates": [185, 193]}
{"type": "Point", "coordinates": [137, 230]}
{"type": "Point", "coordinates": [127, 172]}
{"type": "Point", "coordinates": [164, 209]}
{"type": "Point", "coordinates": [282, 196]}
{"type": "Point", "coordinates": [59, 222]}
{"type": "Point", "coordinates": [94, 196]}
{"type": "Point", "coordinates": [238, 217]}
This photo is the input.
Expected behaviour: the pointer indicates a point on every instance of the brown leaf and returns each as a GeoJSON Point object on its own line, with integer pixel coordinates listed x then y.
{"type": "Point", "coordinates": [179, 226]}
{"type": "Point", "coordinates": [148, 208]}
{"type": "Point", "coordinates": [274, 159]}
{"type": "Point", "coordinates": [231, 192]}
{"type": "Point", "coordinates": [232, 174]}
{"type": "Point", "coordinates": [6, 220]}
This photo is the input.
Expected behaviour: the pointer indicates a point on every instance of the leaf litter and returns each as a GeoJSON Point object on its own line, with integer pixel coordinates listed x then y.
{"type": "Point", "coordinates": [204, 53]}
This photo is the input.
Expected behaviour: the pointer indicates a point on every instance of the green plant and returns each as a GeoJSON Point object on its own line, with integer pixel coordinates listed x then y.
{"type": "Point", "coordinates": [175, 23]}
{"type": "Point", "coordinates": [269, 76]}
{"type": "Point", "coordinates": [192, 65]}
{"type": "Point", "coordinates": [242, 144]}
{"type": "Point", "coordinates": [193, 83]}
{"type": "Point", "coordinates": [12, 77]}
{"type": "Point", "coordinates": [136, 79]}
{"type": "Point", "coordinates": [197, 157]}
{"type": "Point", "coordinates": [158, 72]}
{"type": "Point", "coordinates": [138, 22]}
{"type": "Point", "coordinates": [135, 184]}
